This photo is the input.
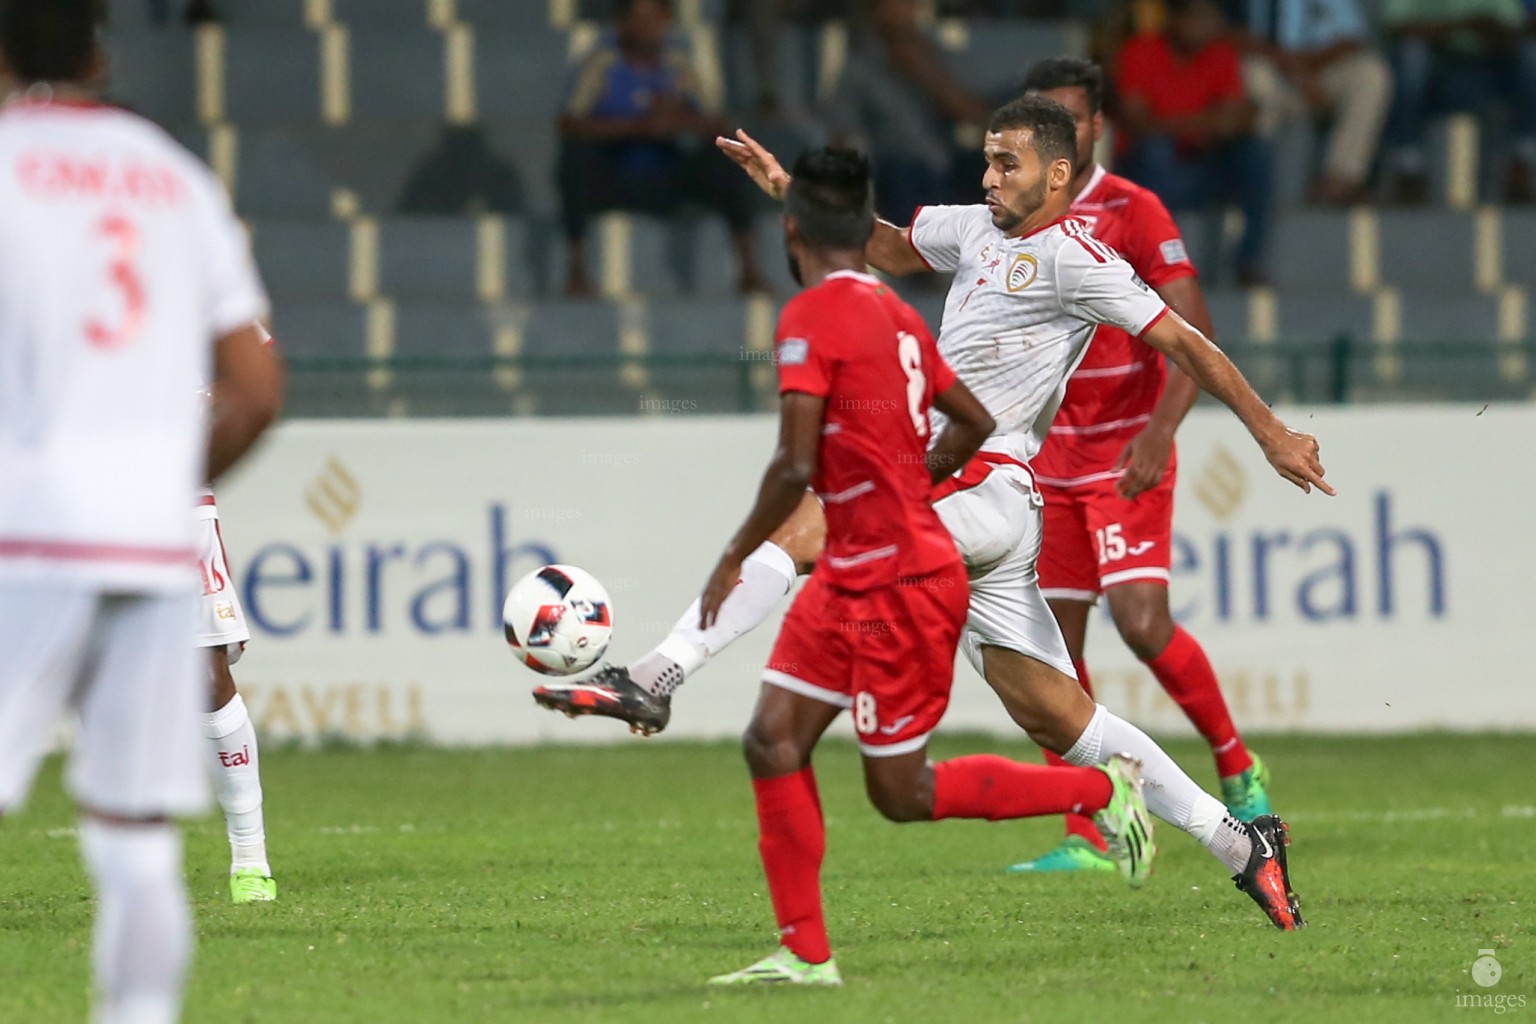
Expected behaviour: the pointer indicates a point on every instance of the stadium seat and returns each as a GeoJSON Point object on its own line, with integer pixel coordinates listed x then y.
{"type": "Point", "coordinates": [1311, 250]}
{"type": "Point", "coordinates": [1517, 232]}
{"type": "Point", "coordinates": [453, 343]}
{"type": "Point", "coordinates": [1456, 317]}
{"type": "Point", "coordinates": [373, 157]}
{"type": "Point", "coordinates": [397, 74]}
{"type": "Point", "coordinates": [335, 331]}
{"type": "Point", "coordinates": [154, 73]}
{"type": "Point", "coordinates": [993, 56]}
{"type": "Point", "coordinates": [532, 148]}
{"type": "Point", "coordinates": [797, 69]}
{"type": "Point", "coordinates": [1317, 315]}
{"type": "Point", "coordinates": [582, 338]}
{"type": "Point", "coordinates": [303, 260]}
{"type": "Point", "coordinates": [276, 176]}
{"type": "Point", "coordinates": [1430, 250]}
{"type": "Point", "coordinates": [271, 75]}
{"type": "Point", "coordinates": [521, 76]}
{"type": "Point", "coordinates": [288, 14]}
{"type": "Point", "coordinates": [711, 335]}
{"type": "Point", "coordinates": [715, 327]}
{"type": "Point", "coordinates": [1229, 313]}
{"type": "Point", "coordinates": [429, 258]}
{"type": "Point", "coordinates": [505, 16]}
{"type": "Point", "coordinates": [392, 14]}
{"type": "Point", "coordinates": [689, 255]}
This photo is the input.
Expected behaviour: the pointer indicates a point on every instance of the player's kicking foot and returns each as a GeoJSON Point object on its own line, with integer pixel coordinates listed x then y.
{"type": "Point", "coordinates": [782, 967]}
{"type": "Point", "coordinates": [249, 885]}
{"type": "Point", "coordinates": [610, 694]}
{"type": "Point", "coordinates": [1074, 854]}
{"type": "Point", "coordinates": [1266, 877]}
{"type": "Point", "coordinates": [1246, 794]}
{"type": "Point", "coordinates": [1126, 824]}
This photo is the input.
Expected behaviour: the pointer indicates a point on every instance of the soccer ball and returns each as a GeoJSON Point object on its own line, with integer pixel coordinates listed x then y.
{"type": "Point", "coordinates": [558, 619]}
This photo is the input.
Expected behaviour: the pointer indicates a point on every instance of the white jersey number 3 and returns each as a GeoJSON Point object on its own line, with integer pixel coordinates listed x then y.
{"type": "Point", "coordinates": [911, 355]}
{"type": "Point", "coordinates": [123, 236]}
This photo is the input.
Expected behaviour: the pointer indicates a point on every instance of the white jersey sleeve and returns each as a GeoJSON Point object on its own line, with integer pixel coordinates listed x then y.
{"type": "Point", "coordinates": [235, 294]}
{"type": "Point", "coordinates": [938, 234]}
{"type": "Point", "coordinates": [1096, 284]}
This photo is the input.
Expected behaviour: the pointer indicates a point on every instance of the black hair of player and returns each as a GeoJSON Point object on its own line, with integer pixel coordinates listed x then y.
{"type": "Point", "coordinates": [1068, 73]}
{"type": "Point", "coordinates": [49, 40]}
{"type": "Point", "coordinates": [1052, 131]}
{"type": "Point", "coordinates": [831, 197]}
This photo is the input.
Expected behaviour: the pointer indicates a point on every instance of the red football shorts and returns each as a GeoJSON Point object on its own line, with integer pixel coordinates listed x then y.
{"type": "Point", "coordinates": [1094, 538]}
{"type": "Point", "coordinates": [887, 654]}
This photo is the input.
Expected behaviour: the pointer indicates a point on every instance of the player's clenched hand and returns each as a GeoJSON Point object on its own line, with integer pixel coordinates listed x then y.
{"type": "Point", "coordinates": [764, 168]}
{"type": "Point", "coordinates": [1144, 460]}
{"type": "Point", "coordinates": [1295, 457]}
{"type": "Point", "coordinates": [721, 582]}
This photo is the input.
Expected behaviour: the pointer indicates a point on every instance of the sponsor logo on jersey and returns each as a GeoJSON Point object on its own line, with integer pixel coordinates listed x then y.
{"type": "Point", "coordinates": [1173, 251]}
{"type": "Point", "coordinates": [794, 351]}
{"type": "Point", "coordinates": [1022, 271]}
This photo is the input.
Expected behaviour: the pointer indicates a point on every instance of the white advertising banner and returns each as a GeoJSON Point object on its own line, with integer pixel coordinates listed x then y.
{"type": "Point", "coordinates": [372, 557]}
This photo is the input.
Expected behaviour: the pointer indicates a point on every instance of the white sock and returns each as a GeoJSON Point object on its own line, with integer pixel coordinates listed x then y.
{"type": "Point", "coordinates": [237, 782]}
{"type": "Point", "coordinates": [1170, 793]}
{"type": "Point", "coordinates": [766, 576]}
{"type": "Point", "coordinates": [143, 923]}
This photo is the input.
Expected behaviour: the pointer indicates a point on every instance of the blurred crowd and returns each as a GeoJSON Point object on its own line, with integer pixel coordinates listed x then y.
{"type": "Point", "coordinates": [1201, 91]}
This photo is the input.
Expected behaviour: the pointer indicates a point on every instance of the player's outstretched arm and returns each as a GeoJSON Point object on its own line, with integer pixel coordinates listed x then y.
{"type": "Point", "coordinates": [1293, 454]}
{"type": "Point", "coordinates": [783, 486]}
{"type": "Point", "coordinates": [889, 250]}
{"type": "Point", "coordinates": [1145, 457]}
{"type": "Point", "coordinates": [969, 425]}
{"type": "Point", "coordinates": [247, 395]}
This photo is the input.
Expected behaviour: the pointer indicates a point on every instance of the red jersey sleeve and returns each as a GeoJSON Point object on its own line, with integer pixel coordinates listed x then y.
{"type": "Point", "coordinates": [1152, 243]}
{"type": "Point", "coordinates": [804, 346]}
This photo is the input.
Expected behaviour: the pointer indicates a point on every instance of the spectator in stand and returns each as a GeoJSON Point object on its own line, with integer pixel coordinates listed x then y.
{"type": "Point", "coordinates": [636, 137]}
{"type": "Point", "coordinates": [1456, 55]}
{"type": "Point", "coordinates": [1312, 57]}
{"type": "Point", "coordinates": [1187, 125]}
{"type": "Point", "coordinates": [898, 101]}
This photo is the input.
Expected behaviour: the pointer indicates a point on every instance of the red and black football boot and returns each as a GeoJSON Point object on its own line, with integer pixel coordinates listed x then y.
{"type": "Point", "coordinates": [609, 694]}
{"type": "Point", "coordinates": [1266, 877]}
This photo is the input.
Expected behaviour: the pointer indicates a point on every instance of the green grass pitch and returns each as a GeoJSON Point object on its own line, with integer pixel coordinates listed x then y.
{"type": "Point", "coordinates": [565, 884]}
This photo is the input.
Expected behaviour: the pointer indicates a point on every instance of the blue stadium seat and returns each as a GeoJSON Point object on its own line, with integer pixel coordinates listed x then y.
{"type": "Point", "coordinates": [996, 54]}
{"type": "Point", "coordinates": [1518, 233]}
{"type": "Point", "coordinates": [682, 256]}
{"type": "Point", "coordinates": [584, 336]}
{"type": "Point", "coordinates": [429, 258]}
{"type": "Point", "coordinates": [446, 330]}
{"type": "Point", "coordinates": [330, 330]}
{"type": "Point", "coordinates": [707, 327]}
{"type": "Point", "coordinates": [271, 75]}
{"type": "Point", "coordinates": [509, 15]}
{"type": "Point", "coordinates": [1430, 250]}
{"type": "Point", "coordinates": [374, 157]}
{"type": "Point", "coordinates": [1229, 312]}
{"type": "Point", "coordinates": [532, 147]}
{"type": "Point", "coordinates": [374, 14]}
{"type": "Point", "coordinates": [713, 331]}
{"type": "Point", "coordinates": [155, 74]}
{"type": "Point", "coordinates": [278, 177]}
{"type": "Point", "coordinates": [1320, 315]}
{"type": "Point", "coordinates": [397, 74]}
{"type": "Point", "coordinates": [521, 76]}
{"type": "Point", "coordinates": [288, 14]}
{"type": "Point", "coordinates": [1311, 250]}
{"type": "Point", "coordinates": [303, 260]}
{"type": "Point", "coordinates": [1448, 317]}
{"type": "Point", "coordinates": [326, 331]}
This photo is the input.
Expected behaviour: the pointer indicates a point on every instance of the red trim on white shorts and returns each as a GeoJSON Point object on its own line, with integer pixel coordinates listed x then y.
{"type": "Point", "coordinates": [72, 551]}
{"type": "Point", "coordinates": [206, 499]}
{"type": "Point", "coordinates": [974, 472]}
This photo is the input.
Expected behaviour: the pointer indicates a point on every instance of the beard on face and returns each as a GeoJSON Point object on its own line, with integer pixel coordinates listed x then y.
{"type": "Point", "coordinates": [1010, 217]}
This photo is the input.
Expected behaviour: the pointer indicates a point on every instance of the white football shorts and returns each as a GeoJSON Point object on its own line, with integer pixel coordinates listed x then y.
{"type": "Point", "coordinates": [997, 526]}
{"type": "Point", "coordinates": [122, 662]}
{"type": "Point", "coordinates": [220, 619]}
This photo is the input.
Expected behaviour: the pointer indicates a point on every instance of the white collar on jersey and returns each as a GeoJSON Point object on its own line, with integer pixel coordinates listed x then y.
{"type": "Point", "coordinates": [854, 275]}
{"type": "Point", "coordinates": [1093, 182]}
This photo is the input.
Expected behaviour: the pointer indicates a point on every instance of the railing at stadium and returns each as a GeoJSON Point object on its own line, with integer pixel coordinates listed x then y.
{"type": "Point", "coordinates": [1341, 370]}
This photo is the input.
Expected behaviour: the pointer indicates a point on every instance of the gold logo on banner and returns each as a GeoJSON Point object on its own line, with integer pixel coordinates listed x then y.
{"type": "Point", "coordinates": [335, 496]}
{"type": "Point", "coordinates": [1222, 485]}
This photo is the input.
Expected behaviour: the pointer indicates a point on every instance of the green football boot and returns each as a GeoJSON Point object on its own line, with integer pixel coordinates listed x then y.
{"type": "Point", "coordinates": [782, 967]}
{"type": "Point", "coordinates": [1074, 854]}
{"type": "Point", "coordinates": [1246, 794]}
{"type": "Point", "coordinates": [1125, 823]}
{"type": "Point", "coordinates": [249, 885]}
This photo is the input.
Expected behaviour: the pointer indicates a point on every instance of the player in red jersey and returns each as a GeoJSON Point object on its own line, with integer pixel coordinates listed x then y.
{"type": "Point", "coordinates": [1107, 471]}
{"type": "Point", "coordinates": [876, 628]}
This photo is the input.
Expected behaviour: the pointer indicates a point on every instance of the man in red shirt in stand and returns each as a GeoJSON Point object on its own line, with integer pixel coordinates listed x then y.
{"type": "Point", "coordinates": [1187, 125]}
{"type": "Point", "coordinates": [1107, 471]}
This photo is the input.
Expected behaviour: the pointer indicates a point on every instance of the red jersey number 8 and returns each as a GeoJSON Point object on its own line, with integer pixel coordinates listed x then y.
{"type": "Point", "coordinates": [124, 236]}
{"type": "Point", "coordinates": [911, 354]}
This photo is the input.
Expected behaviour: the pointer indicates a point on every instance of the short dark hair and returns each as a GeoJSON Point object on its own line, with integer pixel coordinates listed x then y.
{"type": "Point", "coordinates": [832, 199]}
{"type": "Point", "coordinates": [49, 40]}
{"type": "Point", "coordinates": [1052, 130]}
{"type": "Point", "coordinates": [1068, 73]}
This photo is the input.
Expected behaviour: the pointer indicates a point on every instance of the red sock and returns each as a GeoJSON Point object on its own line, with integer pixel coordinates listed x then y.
{"type": "Point", "coordinates": [1080, 824]}
{"type": "Point", "coordinates": [792, 839]}
{"type": "Point", "coordinates": [1187, 676]}
{"type": "Point", "coordinates": [995, 788]}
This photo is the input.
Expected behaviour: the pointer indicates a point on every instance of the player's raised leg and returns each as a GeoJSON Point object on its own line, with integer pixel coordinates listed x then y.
{"type": "Point", "coordinates": [1141, 614]}
{"type": "Point", "coordinates": [236, 764]}
{"type": "Point", "coordinates": [641, 694]}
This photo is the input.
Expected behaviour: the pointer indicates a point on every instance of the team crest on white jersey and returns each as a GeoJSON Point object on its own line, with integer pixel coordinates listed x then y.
{"type": "Point", "coordinates": [1022, 271]}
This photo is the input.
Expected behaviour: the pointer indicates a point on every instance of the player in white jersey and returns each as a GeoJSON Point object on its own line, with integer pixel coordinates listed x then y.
{"type": "Point", "coordinates": [1031, 285]}
{"type": "Point", "coordinates": [123, 274]}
